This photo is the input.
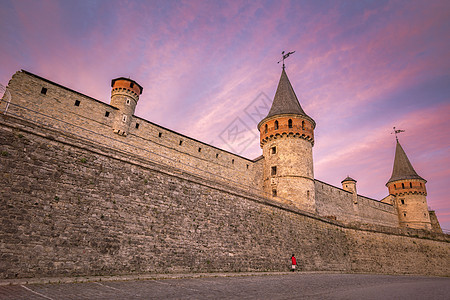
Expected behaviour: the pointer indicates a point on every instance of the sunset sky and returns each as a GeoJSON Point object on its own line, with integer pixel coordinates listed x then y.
{"type": "Point", "coordinates": [360, 68]}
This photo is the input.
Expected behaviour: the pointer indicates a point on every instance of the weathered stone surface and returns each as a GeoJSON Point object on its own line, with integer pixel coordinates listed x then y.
{"type": "Point", "coordinates": [93, 210]}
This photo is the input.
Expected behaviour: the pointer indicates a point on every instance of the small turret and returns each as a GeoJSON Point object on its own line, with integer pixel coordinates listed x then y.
{"type": "Point", "coordinates": [124, 96]}
{"type": "Point", "coordinates": [349, 185]}
{"type": "Point", "coordinates": [287, 138]}
{"type": "Point", "coordinates": [409, 191]}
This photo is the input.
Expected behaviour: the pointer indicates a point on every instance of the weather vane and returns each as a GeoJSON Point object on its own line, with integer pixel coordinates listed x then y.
{"type": "Point", "coordinates": [397, 131]}
{"type": "Point", "coordinates": [284, 57]}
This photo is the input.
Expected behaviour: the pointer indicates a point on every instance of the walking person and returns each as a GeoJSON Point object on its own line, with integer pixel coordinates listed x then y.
{"type": "Point", "coordinates": [294, 263]}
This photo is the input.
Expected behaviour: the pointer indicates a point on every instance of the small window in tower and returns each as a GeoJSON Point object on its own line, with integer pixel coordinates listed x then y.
{"type": "Point", "coordinates": [181, 143]}
{"type": "Point", "coordinates": [137, 125]}
{"type": "Point", "coordinates": [44, 91]}
{"type": "Point", "coordinates": [307, 195]}
{"type": "Point", "coordinates": [274, 193]}
{"type": "Point", "coordinates": [395, 187]}
{"type": "Point", "coordinates": [274, 170]}
{"type": "Point", "coordinates": [303, 124]}
{"type": "Point", "coordinates": [265, 128]}
{"type": "Point", "coordinates": [247, 166]}
{"type": "Point", "coordinates": [217, 155]}
{"type": "Point", "coordinates": [199, 149]}
{"type": "Point", "coordinates": [403, 201]}
{"type": "Point", "coordinates": [274, 150]}
{"type": "Point", "coordinates": [290, 123]}
{"type": "Point", "coordinates": [77, 103]}
{"type": "Point", "coordinates": [410, 185]}
{"type": "Point", "coordinates": [403, 185]}
{"type": "Point", "coordinates": [131, 84]}
{"type": "Point", "coordinates": [404, 214]}
{"type": "Point", "coordinates": [276, 125]}
{"type": "Point", "coordinates": [128, 101]}
{"type": "Point", "coordinates": [124, 118]}
{"type": "Point", "coordinates": [232, 161]}
{"type": "Point", "coordinates": [425, 214]}
{"type": "Point", "coordinates": [420, 184]}
{"type": "Point", "coordinates": [107, 114]}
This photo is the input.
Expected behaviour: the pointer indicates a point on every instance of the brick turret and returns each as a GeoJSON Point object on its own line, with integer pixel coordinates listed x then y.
{"type": "Point", "coordinates": [124, 96]}
{"type": "Point", "coordinates": [409, 191]}
{"type": "Point", "coordinates": [287, 138]}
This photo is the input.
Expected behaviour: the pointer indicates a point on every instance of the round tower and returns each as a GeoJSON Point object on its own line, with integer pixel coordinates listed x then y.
{"type": "Point", "coordinates": [349, 185]}
{"type": "Point", "coordinates": [124, 96]}
{"type": "Point", "coordinates": [287, 138]}
{"type": "Point", "coordinates": [409, 191]}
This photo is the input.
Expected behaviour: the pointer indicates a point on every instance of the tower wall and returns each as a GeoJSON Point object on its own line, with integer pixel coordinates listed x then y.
{"type": "Point", "coordinates": [411, 203]}
{"type": "Point", "coordinates": [124, 96]}
{"type": "Point", "coordinates": [288, 161]}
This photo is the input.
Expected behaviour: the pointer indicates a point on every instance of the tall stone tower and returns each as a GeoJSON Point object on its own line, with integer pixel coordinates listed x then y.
{"type": "Point", "coordinates": [409, 191]}
{"type": "Point", "coordinates": [124, 96]}
{"type": "Point", "coordinates": [287, 138]}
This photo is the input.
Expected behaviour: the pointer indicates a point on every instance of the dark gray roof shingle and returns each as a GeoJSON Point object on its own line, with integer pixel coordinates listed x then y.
{"type": "Point", "coordinates": [402, 166]}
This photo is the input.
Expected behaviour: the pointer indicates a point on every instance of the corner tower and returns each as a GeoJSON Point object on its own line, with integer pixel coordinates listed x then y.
{"type": "Point", "coordinates": [287, 138]}
{"type": "Point", "coordinates": [409, 191]}
{"type": "Point", "coordinates": [124, 96]}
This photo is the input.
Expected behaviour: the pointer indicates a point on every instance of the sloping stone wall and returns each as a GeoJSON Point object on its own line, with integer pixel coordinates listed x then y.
{"type": "Point", "coordinates": [71, 208]}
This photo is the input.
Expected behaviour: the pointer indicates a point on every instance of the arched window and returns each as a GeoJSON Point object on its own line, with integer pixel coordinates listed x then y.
{"type": "Point", "coordinates": [276, 125]}
{"type": "Point", "coordinates": [290, 123]}
{"type": "Point", "coordinates": [410, 185]}
{"type": "Point", "coordinates": [303, 124]}
{"type": "Point", "coordinates": [395, 187]}
{"type": "Point", "coordinates": [265, 128]}
{"type": "Point", "coordinates": [403, 185]}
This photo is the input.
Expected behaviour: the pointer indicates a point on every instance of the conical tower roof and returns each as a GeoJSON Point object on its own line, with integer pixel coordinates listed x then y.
{"type": "Point", "coordinates": [285, 100]}
{"type": "Point", "coordinates": [402, 166]}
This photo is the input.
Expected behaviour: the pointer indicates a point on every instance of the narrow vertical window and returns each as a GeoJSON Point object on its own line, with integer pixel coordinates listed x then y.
{"type": "Point", "coordinates": [247, 166]}
{"type": "Point", "coordinates": [274, 150]}
{"type": "Point", "coordinates": [403, 185]}
{"type": "Point", "coordinates": [181, 143]}
{"type": "Point", "coordinates": [274, 193]}
{"type": "Point", "coordinates": [403, 201]}
{"type": "Point", "coordinates": [217, 155]}
{"type": "Point", "coordinates": [290, 123]}
{"type": "Point", "coordinates": [124, 118]}
{"type": "Point", "coordinates": [395, 187]}
{"type": "Point", "coordinates": [265, 128]}
{"type": "Point", "coordinates": [44, 91]}
{"type": "Point", "coordinates": [303, 124]}
{"type": "Point", "coordinates": [410, 185]}
{"type": "Point", "coordinates": [128, 101]}
{"type": "Point", "coordinates": [232, 161]}
{"type": "Point", "coordinates": [137, 125]}
{"type": "Point", "coordinates": [131, 84]}
{"type": "Point", "coordinates": [107, 114]}
{"type": "Point", "coordinates": [77, 103]}
{"type": "Point", "coordinates": [160, 134]}
{"type": "Point", "coordinates": [199, 149]}
{"type": "Point", "coordinates": [276, 125]}
{"type": "Point", "coordinates": [274, 170]}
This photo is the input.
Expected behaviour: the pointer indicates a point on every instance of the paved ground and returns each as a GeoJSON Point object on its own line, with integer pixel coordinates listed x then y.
{"type": "Point", "coordinates": [288, 286]}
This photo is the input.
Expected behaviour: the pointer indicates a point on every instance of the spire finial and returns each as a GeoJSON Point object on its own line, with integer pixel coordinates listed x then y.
{"type": "Point", "coordinates": [395, 132]}
{"type": "Point", "coordinates": [284, 57]}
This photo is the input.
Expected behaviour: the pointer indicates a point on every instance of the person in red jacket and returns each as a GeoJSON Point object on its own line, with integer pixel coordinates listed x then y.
{"type": "Point", "coordinates": [294, 263]}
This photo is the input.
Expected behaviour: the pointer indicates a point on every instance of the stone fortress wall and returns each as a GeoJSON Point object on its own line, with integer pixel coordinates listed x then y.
{"type": "Point", "coordinates": [93, 120]}
{"type": "Point", "coordinates": [338, 204]}
{"type": "Point", "coordinates": [71, 207]}
{"type": "Point", "coordinates": [77, 199]}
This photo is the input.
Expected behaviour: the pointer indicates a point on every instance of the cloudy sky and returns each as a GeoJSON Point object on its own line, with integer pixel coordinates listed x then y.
{"type": "Point", "coordinates": [360, 68]}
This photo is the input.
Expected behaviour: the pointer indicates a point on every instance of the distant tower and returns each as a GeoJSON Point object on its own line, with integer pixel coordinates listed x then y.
{"type": "Point", "coordinates": [349, 185]}
{"type": "Point", "coordinates": [124, 96]}
{"type": "Point", "coordinates": [410, 193]}
{"type": "Point", "coordinates": [287, 138]}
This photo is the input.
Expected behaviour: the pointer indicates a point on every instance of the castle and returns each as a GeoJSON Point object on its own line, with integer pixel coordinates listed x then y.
{"type": "Point", "coordinates": [284, 172]}
{"type": "Point", "coordinates": [128, 177]}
